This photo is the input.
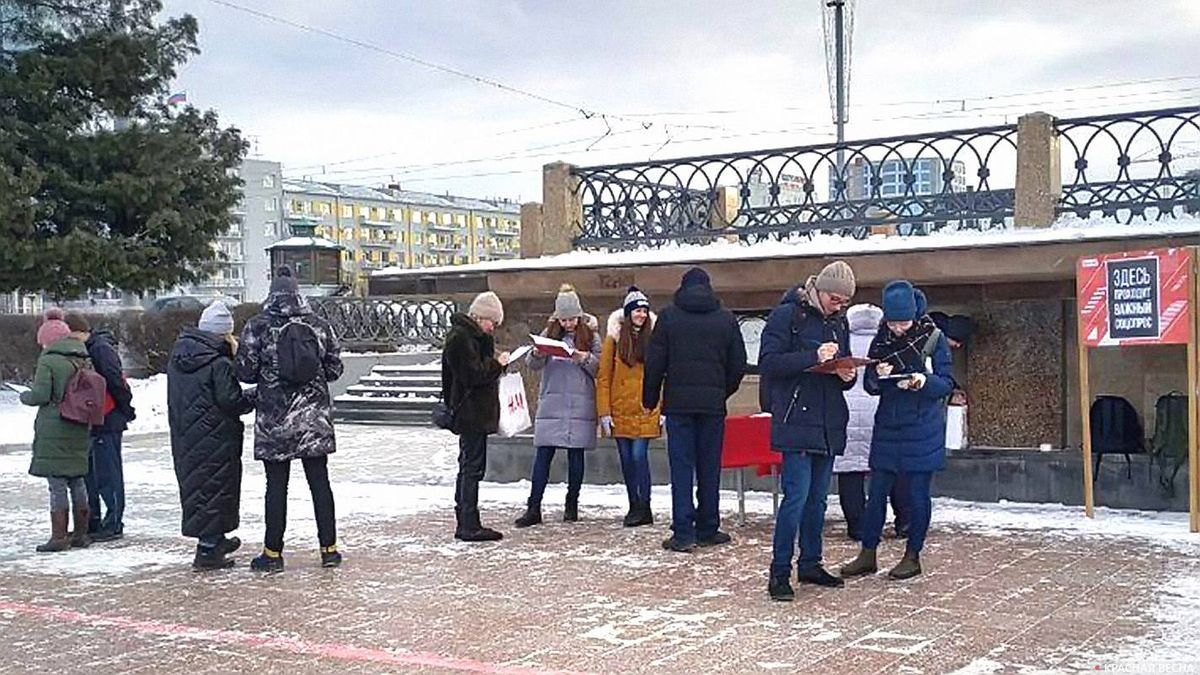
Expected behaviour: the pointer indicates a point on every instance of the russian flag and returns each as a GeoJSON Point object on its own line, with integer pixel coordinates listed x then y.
{"type": "Point", "coordinates": [178, 98]}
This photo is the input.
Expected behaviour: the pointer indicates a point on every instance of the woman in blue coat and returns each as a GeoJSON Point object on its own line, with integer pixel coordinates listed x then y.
{"type": "Point", "coordinates": [912, 379]}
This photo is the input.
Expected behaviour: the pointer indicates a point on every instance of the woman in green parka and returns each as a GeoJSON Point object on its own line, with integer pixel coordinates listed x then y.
{"type": "Point", "coordinates": [60, 448]}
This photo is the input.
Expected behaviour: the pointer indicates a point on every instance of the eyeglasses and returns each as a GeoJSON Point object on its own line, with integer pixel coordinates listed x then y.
{"type": "Point", "coordinates": [838, 300]}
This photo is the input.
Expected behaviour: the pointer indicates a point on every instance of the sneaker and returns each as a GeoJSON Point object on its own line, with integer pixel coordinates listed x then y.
{"type": "Point", "coordinates": [673, 544]}
{"type": "Point", "coordinates": [716, 540]}
{"type": "Point", "coordinates": [780, 589]}
{"type": "Point", "coordinates": [481, 534]}
{"type": "Point", "coordinates": [267, 561]}
{"type": "Point", "coordinates": [330, 557]}
{"type": "Point", "coordinates": [818, 577]}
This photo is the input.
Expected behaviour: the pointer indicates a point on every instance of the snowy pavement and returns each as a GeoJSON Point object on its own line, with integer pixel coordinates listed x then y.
{"type": "Point", "coordinates": [1008, 588]}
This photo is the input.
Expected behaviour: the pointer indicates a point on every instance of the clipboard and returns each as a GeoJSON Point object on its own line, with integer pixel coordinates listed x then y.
{"type": "Point", "coordinates": [845, 363]}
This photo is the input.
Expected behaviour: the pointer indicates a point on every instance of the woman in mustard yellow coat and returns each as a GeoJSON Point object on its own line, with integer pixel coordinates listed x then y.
{"type": "Point", "coordinates": [619, 400]}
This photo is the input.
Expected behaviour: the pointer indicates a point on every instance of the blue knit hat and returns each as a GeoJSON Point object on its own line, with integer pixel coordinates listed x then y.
{"type": "Point", "coordinates": [899, 302]}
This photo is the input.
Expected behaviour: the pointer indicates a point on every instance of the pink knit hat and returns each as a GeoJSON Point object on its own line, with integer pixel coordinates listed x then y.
{"type": "Point", "coordinates": [53, 328]}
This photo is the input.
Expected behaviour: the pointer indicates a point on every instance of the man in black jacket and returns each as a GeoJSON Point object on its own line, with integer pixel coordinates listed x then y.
{"type": "Point", "coordinates": [471, 372]}
{"type": "Point", "coordinates": [106, 477]}
{"type": "Point", "coordinates": [696, 360]}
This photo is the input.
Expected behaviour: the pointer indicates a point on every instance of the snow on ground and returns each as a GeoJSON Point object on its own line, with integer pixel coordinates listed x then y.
{"type": "Point", "coordinates": [1068, 228]}
{"type": "Point", "coordinates": [149, 399]}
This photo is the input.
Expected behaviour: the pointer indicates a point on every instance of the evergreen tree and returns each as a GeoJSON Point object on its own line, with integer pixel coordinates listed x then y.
{"type": "Point", "coordinates": [101, 183]}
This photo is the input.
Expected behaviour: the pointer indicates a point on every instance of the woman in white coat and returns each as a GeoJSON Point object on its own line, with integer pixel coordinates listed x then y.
{"type": "Point", "coordinates": [851, 467]}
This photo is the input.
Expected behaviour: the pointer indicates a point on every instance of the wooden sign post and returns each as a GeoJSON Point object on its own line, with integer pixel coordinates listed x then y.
{"type": "Point", "coordinates": [1132, 299]}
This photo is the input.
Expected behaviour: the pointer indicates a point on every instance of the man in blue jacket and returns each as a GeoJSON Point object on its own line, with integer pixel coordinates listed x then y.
{"type": "Point", "coordinates": [106, 475]}
{"type": "Point", "coordinates": [808, 416]}
{"type": "Point", "coordinates": [696, 359]}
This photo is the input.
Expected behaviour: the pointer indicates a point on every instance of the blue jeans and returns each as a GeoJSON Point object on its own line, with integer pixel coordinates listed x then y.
{"type": "Point", "coordinates": [802, 513]}
{"type": "Point", "coordinates": [920, 507]}
{"type": "Point", "coordinates": [541, 474]}
{"type": "Point", "coordinates": [694, 451]}
{"type": "Point", "coordinates": [635, 467]}
{"type": "Point", "coordinates": [106, 481]}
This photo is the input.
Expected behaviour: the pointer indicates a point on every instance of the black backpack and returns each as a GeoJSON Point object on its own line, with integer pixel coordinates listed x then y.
{"type": "Point", "coordinates": [297, 352]}
{"type": "Point", "coordinates": [1116, 429]}
{"type": "Point", "coordinates": [1169, 447]}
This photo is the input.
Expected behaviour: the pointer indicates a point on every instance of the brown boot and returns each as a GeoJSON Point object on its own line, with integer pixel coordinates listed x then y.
{"type": "Point", "coordinates": [80, 538]}
{"type": "Point", "coordinates": [863, 564]}
{"type": "Point", "coordinates": [58, 533]}
{"type": "Point", "coordinates": [909, 567]}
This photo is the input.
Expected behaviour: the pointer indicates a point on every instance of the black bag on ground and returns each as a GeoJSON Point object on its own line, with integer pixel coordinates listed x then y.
{"type": "Point", "coordinates": [1116, 429]}
{"type": "Point", "coordinates": [1169, 447]}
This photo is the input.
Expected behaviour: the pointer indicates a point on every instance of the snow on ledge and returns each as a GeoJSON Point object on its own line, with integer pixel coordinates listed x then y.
{"type": "Point", "coordinates": [1067, 229]}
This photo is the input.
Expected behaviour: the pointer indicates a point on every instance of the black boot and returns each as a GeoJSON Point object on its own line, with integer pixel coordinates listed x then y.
{"type": "Point", "coordinates": [642, 515]}
{"type": "Point", "coordinates": [780, 589]}
{"type": "Point", "coordinates": [571, 511]}
{"type": "Point", "coordinates": [634, 516]}
{"type": "Point", "coordinates": [531, 517]}
{"type": "Point", "coordinates": [210, 558]}
{"type": "Point", "coordinates": [228, 545]}
{"type": "Point", "coordinates": [818, 577]}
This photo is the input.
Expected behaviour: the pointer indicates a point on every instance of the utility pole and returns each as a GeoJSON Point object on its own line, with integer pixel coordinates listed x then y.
{"type": "Point", "coordinates": [839, 23]}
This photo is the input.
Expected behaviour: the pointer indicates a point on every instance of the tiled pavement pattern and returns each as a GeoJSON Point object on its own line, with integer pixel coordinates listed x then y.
{"type": "Point", "coordinates": [586, 597]}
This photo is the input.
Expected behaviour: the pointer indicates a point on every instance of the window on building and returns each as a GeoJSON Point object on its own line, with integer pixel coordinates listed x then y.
{"type": "Point", "coordinates": [460, 219]}
{"type": "Point", "coordinates": [417, 216]}
{"type": "Point", "coordinates": [347, 210]}
{"type": "Point", "coordinates": [269, 180]}
{"type": "Point", "coordinates": [324, 208]}
{"type": "Point", "coordinates": [270, 229]}
{"type": "Point", "coordinates": [272, 204]}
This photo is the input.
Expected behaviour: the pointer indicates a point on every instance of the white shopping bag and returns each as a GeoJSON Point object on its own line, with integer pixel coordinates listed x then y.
{"type": "Point", "coordinates": [514, 408]}
{"type": "Point", "coordinates": [956, 427]}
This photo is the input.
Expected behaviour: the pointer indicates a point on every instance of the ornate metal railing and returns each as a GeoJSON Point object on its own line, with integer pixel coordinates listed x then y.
{"type": "Point", "coordinates": [963, 179]}
{"type": "Point", "coordinates": [387, 321]}
{"type": "Point", "coordinates": [919, 182]}
{"type": "Point", "coordinates": [1131, 166]}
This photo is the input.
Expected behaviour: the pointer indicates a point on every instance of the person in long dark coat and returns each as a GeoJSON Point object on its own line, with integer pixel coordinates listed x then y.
{"type": "Point", "coordinates": [204, 406]}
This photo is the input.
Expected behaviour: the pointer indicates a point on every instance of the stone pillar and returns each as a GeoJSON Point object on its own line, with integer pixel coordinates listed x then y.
{"type": "Point", "coordinates": [562, 211]}
{"type": "Point", "coordinates": [531, 230]}
{"type": "Point", "coordinates": [1039, 171]}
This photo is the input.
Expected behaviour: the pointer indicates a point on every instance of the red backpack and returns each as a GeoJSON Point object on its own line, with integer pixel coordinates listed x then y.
{"type": "Point", "coordinates": [83, 399]}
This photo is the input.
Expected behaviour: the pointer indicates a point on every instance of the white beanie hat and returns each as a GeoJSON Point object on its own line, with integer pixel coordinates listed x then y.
{"type": "Point", "coordinates": [216, 319]}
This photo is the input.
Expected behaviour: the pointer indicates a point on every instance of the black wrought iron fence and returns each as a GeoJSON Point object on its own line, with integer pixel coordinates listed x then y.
{"type": "Point", "coordinates": [924, 181]}
{"type": "Point", "coordinates": [387, 321]}
{"type": "Point", "coordinates": [1131, 166]}
{"type": "Point", "coordinates": [1115, 166]}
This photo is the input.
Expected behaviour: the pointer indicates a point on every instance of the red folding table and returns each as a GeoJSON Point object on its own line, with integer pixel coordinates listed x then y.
{"type": "Point", "coordinates": [748, 443]}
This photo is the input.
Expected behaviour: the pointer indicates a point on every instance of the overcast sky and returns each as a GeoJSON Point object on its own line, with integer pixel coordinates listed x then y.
{"type": "Point", "coordinates": [698, 76]}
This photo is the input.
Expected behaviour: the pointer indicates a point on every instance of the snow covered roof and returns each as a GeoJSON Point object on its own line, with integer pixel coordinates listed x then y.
{"type": "Point", "coordinates": [305, 242]}
{"type": "Point", "coordinates": [821, 245]}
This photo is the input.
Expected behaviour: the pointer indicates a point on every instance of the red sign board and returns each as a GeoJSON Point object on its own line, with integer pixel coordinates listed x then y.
{"type": "Point", "coordinates": [1135, 298]}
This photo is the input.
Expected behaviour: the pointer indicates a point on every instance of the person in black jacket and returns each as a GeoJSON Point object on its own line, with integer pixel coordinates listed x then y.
{"type": "Point", "coordinates": [204, 404]}
{"type": "Point", "coordinates": [808, 416]}
{"type": "Point", "coordinates": [106, 476]}
{"type": "Point", "coordinates": [471, 372]}
{"type": "Point", "coordinates": [696, 359]}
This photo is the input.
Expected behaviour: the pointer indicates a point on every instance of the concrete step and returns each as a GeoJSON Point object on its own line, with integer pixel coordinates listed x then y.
{"type": "Point", "coordinates": [394, 392]}
{"type": "Point", "coordinates": [435, 369]}
{"type": "Point", "coordinates": [402, 381]}
{"type": "Point", "coordinates": [382, 403]}
{"type": "Point", "coordinates": [408, 418]}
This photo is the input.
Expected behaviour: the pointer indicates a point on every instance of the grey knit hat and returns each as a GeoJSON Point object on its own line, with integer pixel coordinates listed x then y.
{"type": "Point", "coordinates": [567, 304]}
{"type": "Point", "coordinates": [837, 277]}
{"type": "Point", "coordinates": [216, 319]}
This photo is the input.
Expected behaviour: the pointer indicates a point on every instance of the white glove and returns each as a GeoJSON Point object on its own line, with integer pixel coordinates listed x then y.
{"type": "Point", "coordinates": [913, 383]}
{"type": "Point", "coordinates": [606, 424]}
